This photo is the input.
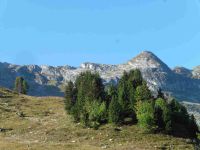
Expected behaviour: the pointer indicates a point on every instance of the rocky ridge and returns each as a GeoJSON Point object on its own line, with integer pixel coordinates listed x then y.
{"type": "Point", "coordinates": [49, 81]}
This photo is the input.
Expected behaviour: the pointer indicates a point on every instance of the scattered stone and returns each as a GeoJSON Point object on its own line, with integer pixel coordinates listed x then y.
{"type": "Point", "coordinates": [20, 114]}
{"type": "Point", "coordinates": [188, 141]}
{"type": "Point", "coordinates": [104, 147]}
{"type": "Point", "coordinates": [117, 129]}
{"type": "Point", "coordinates": [2, 130]}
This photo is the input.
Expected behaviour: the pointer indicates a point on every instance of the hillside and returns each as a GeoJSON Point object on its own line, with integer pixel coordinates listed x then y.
{"type": "Point", "coordinates": [41, 123]}
{"type": "Point", "coordinates": [182, 83]}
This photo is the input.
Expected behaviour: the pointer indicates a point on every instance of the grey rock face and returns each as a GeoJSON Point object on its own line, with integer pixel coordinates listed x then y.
{"type": "Point", "coordinates": [196, 72]}
{"type": "Point", "coordinates": [48, 80]}
{"type": "Point", "coordinates": [183, 71]}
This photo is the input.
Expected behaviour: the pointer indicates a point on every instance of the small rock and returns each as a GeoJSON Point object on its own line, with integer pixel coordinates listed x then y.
{"type": "Point", "coordinates": [104, 147]}
{"type": "Point", "coordinates": [110, 140]}
{"type": "Point", "coordinates": [73, 141]}
{"type": "Point", "coordinates": [2, 130]}
{"type": "Point", "coordinates": [117, 129]}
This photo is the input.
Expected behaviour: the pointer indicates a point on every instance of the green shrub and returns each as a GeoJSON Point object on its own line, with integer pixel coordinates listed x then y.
{"type": "Point", "coordinates": [97, 113]}
{"type": "Point", "coordinates": [145, 116]}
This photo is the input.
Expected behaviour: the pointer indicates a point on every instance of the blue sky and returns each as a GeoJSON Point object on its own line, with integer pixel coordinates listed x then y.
{"type": "Point", "coordinates": [69, 32]}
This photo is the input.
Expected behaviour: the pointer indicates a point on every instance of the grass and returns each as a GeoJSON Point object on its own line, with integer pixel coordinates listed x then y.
{"type": "Point", "coordinates": [38, 123]}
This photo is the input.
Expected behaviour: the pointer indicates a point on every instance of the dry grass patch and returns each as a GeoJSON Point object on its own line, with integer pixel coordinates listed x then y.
{"type": "Point", "coordinates": [38, 123]}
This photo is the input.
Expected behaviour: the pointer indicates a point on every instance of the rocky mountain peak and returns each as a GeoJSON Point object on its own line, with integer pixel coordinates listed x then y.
{"type": "Point", "coordinates": [147, 59]}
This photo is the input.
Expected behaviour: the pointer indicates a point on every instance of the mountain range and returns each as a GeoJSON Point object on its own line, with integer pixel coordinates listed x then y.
{"type": "Point", "coordinates": [180, 82]}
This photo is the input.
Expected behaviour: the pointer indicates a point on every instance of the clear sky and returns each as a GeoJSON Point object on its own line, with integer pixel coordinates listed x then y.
{"type": "Point", "coordinates": [69, 32]}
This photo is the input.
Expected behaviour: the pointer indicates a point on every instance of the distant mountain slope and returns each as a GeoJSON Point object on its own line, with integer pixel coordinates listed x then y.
{"type": "Point", "coordinates": [49, 80]}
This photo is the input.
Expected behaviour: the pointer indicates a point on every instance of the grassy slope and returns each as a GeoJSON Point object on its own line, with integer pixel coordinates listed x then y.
{"type": "Point", "coordinates": [47, 126]}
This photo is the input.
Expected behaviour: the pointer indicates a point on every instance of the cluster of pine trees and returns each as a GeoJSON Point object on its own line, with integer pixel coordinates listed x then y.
{"type": "Point", "coordinates": [93, 104]}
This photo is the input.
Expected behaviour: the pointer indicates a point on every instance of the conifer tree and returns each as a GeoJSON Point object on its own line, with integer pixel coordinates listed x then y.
{"type": "Point", "coordinates": [21, 86]}
{"type": "Point", "coordinates": [142, 93]}
{"type": "Point", "coordinates": [25, 87]}
{"type": "Point", "coordinates": [114, 111]}
{"type": "Point", "coordinates": [90, 91]}
{"type": "Point", "coordinates": [69, 96]}
{"type": "Point", "coordinates": [162, 114]}
{"type": "Point", "coordinates": [145, 115]}
{"type": "Point", "coordinates": [123, 92]}
{"type": "Point", "coordinates": [160, 94]}
{"type": "Point", "coordinates": [193, 127]}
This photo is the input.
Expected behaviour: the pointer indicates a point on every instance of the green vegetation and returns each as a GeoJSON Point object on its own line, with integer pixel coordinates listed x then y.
{"type": "Point", "coordinates": [45, 125]}
{"type": "Point", "coordinates": [130, 102]}
{"type": "Point", "coordinates": [21, 86]}
{"type": "Point", "coordinates": [114, 111]}
{"type": "Point", "coordinates": [145, 116]}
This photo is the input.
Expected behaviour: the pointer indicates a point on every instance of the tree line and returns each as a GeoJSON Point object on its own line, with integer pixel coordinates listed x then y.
{"type": "Point", "coordinates": [92, 104]}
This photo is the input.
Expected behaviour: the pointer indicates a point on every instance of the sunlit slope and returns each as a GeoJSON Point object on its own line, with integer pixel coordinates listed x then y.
{"type": "Point", "coordinates": [39, 123]}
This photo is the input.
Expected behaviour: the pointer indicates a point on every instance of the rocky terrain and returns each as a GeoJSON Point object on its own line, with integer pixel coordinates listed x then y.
{"type": "Point", "coordinates": [180, 82]}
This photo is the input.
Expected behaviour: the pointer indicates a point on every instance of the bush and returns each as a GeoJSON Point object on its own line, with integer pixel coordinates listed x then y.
{"type": "Point", "coordinates": [97, 113]}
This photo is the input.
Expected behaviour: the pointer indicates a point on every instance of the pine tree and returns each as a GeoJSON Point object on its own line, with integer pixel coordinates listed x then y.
{"type": "Point", "coordinates": [160, 94]}
{"type": "Point", "coordinates": [69, 96]}
{"type": "Point", "coordinates": [21, 86]}
{"type": "Point", "coordinates": [161, 113]}
{"type": "Point", "coordinates": [25, 87]}
{"type": "Point", "coordinates": [123, 92]}
{"type": "Point", "coordinates": [193, 128]}
{"type": "Point", "coordinates": [114, 111]}
{"type": "Point", "coordinates": [142, 93]}
{"type": "Point", "coordinates": [89, 90]}
{"type": "Point", "coordinates": [138, 80]}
